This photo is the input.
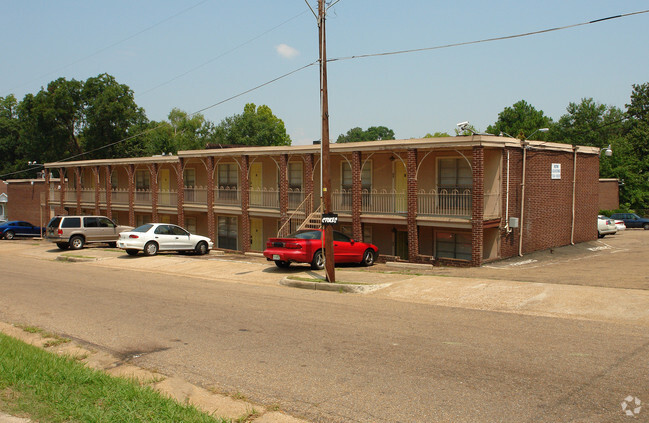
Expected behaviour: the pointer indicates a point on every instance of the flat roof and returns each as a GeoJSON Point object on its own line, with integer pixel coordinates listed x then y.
{"type": "Point", "coordinates": [460, 142]}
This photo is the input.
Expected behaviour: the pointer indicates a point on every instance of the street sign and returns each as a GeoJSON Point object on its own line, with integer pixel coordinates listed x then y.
{"type": "Point", "coordinates": [329, 219]}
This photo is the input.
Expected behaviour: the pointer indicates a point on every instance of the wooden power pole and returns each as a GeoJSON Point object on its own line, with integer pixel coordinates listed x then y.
{"type": "Point", "coordinates": [324, 160]}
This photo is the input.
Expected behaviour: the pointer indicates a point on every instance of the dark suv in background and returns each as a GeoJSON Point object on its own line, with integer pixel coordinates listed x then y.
{"type": "Point", "coordinates": [632, 220]}
{"type": "Point", "coordinates": [76, 231]}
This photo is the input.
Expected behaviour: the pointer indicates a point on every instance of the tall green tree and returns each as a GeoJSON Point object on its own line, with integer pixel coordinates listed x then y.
{"type": "Point", "coordinates": [109, 110]}
{"type": "Point", "coordinates": [636, 189]}
{"type": "Point", "coordinates": [255, 126]}
{"type": "Point", "coordinates": [520, 121]}
{"type": "Point", "coordinates": [373, 133]}
{"type": "Point", "coordinates": [9, 134]}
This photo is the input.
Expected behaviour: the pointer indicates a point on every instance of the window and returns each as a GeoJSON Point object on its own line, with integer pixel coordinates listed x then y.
{"type": "Point", "coordinates": [227, 233]}
{"type": "Point", "coordinates": [294, 184]}
{"type": "Point", "coordinates": [347, 182]}
{"type": "Point", "coordinates": [90, 222]}
{"type": "Point", "coordinates": [228, 181]}
{"type": "Point", "coordinates": [141, 219]}
{"type": "Point", "coordinates": [454, 173]}
{"type": "Point", "coordinates": [71, 222]}
{"type": "Point", "coordinates": [455, 245]}
{"type": "Point", "coordinates": [189, 179]}
{"type": "Point", "coordinates": [190, 224]}
{"type": "Point", "coordinates": [142, 180]}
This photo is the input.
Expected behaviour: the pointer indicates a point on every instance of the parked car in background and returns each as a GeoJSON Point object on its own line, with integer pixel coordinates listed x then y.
{"type": "Point", "coordinates": [619, 224]}
{"type": "Point", "coordinates": [305, 246]}
{"type": "Point", "coordinates": [76, 231]}
{"type": "Point", "coordinates": [632, 220]}
{"type": "Point", "coordinates": [605, 226]}
{"type": "Point", "coordinates": [154, 237]}
{"type": "Point", "coordinates": [19, 228]}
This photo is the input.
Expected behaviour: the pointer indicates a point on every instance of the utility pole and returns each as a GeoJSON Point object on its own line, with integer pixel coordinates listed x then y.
{"type": "Point", "coordinates": [324, 160]}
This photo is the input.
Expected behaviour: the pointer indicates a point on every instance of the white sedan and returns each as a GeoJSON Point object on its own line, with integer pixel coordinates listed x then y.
{"type": "Point", "coordinates": [154, 237]}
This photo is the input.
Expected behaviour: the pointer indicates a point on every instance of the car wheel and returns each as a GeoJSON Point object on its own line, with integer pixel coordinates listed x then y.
{"type": "Point", "coordinates": [112, 245]}
{"type": "Point", "coordinates": [150, 249]}
{"type": "Point", "coordinates": [646, 226]}
{"type": "Point", "coordinates": [76, 243]}
{"type": "Point", "coordinates": [132, 252]}
{"type": "Point", "coordinates": [282, 264]}
{"type": "Point", "coordinates": [202, 248]}
{"type": "Point", "coordinates": [599, 235]}
{"type": "Point", "coordinates": [63, 245]}
{"type": "Point", "coordinates": [368, 257]}
{"type": "Point", "coordinates": [318, 261]}
{"type": "Point", "coordinates": [9, 235]}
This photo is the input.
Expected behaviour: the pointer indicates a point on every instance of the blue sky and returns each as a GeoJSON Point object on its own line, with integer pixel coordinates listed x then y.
{"type": "Point", "coordinates": [195, 53]}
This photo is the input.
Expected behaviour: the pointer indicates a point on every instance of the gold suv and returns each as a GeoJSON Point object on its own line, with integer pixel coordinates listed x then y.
{"type": "Point", "coordinates": [76, 231]}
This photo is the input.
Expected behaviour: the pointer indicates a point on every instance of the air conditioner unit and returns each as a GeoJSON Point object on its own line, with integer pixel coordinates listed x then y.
{"type": "Point", "coordinates": [513, 222]}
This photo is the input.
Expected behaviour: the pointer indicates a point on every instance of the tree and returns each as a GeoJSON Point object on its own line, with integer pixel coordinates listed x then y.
{"type": "Point", "coordinates": [636, 188]}
{"type": "Point", "coordinates": [256, 126]}
{"type": "Point", "coordinates": [437, 135]}
{"type": "Point", "coordinates": [9, 134]}
{"type": "Point", "coordinates": [109, 110]}
{"type": "Point", "coordinates": [520, 120]}
{"type": "Point", "coordinates": [373, 133]}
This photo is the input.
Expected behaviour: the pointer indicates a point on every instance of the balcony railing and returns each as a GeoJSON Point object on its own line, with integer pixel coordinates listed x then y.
{"type": "Point", "coordinates": [445, 202]}
{"type": "Point", "coordinates": [227, 196]}
{"type": "Point", "coordinates": [167, 198]}
{"type": "Point", "coordinates": [143, 196]}
{"type": "Point", "coordinates": [196, 195]}
{"type": "Point", "coordinates": [264, 198]}
{"type": "Point", "coordinates": [119, 197]}
{"type": "Point", "coordinates": [87, 195]}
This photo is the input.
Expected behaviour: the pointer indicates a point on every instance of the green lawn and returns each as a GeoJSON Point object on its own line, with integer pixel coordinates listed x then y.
{"type": "Point", "coordinates": [50, 388]}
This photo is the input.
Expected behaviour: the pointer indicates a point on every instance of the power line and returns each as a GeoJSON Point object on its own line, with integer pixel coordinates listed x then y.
{"type": "Point", "coordinates": [507, 37]}
{"type": "Point", "coordinates": [103, 49]}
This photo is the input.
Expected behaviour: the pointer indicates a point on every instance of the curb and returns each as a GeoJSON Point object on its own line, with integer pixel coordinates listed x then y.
{"type": "Point", "coordinates": [333, 287]}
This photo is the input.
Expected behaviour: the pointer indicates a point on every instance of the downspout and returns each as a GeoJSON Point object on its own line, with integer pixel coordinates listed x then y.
{"type": "Point", "coordinates": [520, 231]}
{"type": "Point", "coordinates": [574, 195]}
{"type": "Point", "coordinates": [507, 198]}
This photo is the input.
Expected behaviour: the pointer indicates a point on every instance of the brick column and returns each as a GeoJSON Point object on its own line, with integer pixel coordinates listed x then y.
{"type": "Point", "coordinates": [109, 189]}
{"type": "Point", "coordinates": [357, 196]}
{"type": "Point", "coordinates": [62, 179]}
{"type": "Point", "coordinates": [245, 205]}
{"type": "Point", "coordinates": [308, 182]}
{"type": "Point", "coordinates": [211, 230]}
{"type": "Point", "coordinates": [153, 171]}
{"type": "Point", "coordinates": [413, 233]}
{"type": "Point", "coordinates": [130, 171]}
{"type": "Point", "coordinates": [77, 179]}
{"type": "Point", "coordinates": [477, 210]}
{"type": "Point", "coordinates": [47, 192]}
{"type": "Point", "coordinates": [95, 174]}
{"type": "Point", "coordinates": [283, 189]}
{"type": "Point", "coordinates": [180, 184]}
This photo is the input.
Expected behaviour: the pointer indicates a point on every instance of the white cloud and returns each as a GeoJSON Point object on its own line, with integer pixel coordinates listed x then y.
{"type": "Point", "coordinates": [286, 51]}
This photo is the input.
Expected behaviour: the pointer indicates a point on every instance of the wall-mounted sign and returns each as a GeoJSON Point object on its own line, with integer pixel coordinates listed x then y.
{"type": "Point", "coordinates": [556, 171]}
{"type": "Point", "coordinates": [329, 219]}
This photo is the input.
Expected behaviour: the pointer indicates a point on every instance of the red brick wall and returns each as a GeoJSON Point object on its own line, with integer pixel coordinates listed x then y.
{"type": "Point", "coordinates": [24, 199]}
{"type": "Point", "coordinates": [509, 241]}
{"type": "Point", "coordinates": [609, 195]}
{"type": "Point", "coordinates": [548, 202]}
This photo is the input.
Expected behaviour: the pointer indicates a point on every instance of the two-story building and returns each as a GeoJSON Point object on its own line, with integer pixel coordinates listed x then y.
{"type": "Point", "coordinates": [461, 200]}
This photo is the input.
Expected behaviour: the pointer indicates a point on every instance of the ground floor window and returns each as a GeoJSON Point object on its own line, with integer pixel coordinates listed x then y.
{"type": "Point", "coordinates": [190, 224]}
{"type": "Point", "coordinates": [141, 219]}
{"type": "Point", "coordinates": [456, 245]}
{"type": "Point", "coordinates": [227, 236]}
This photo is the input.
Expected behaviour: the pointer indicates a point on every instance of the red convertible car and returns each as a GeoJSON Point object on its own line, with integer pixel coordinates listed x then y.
{"type": "Point", "coordinates": [305, 246]}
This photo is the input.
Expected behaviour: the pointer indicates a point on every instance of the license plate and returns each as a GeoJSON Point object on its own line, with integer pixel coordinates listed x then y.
{"type": "Point", "coordinates": [275, 256]}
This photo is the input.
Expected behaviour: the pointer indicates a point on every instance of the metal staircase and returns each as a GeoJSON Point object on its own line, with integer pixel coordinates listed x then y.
{"type": "Point", "coordinates": [299, 220]}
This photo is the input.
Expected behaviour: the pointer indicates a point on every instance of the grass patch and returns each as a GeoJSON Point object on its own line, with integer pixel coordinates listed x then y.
{"type": "Point", "coordinates": [78, 256]}
{"type": "Point", "coordinates": [53, 339]}
{"type": "Point", "coordinates": [49, 388]}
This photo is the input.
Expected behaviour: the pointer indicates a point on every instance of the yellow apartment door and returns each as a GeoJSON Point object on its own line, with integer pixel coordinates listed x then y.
{"type": "Point", "coordinates": [164, 187]}
{"type": "Point", "coordinates": [257, 234]}
{"type": "Point", "coordinates": [400, 187]}
{"type": "Point", "coordinates": [255, 184]}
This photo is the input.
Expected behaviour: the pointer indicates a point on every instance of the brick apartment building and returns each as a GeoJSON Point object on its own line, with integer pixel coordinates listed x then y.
{"type": "Point", "coordinates": [26, 199]}
{"type": "Point", "coordinates": [456, 200]}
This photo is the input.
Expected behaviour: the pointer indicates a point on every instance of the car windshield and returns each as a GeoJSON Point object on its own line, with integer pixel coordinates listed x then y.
{"type": "Point", "coordinates": [143, 228]}
{"type": "Point", "coordinates": [305, 235]}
